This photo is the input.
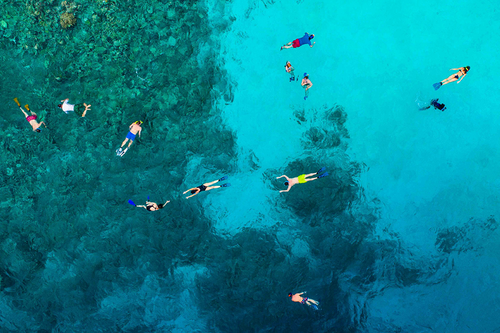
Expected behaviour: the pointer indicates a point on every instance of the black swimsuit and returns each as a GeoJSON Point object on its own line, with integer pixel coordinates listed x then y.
{"type": "Point", "coordinates": [149, 207]}
{"type": "Point", "coordinates": [202, 188]}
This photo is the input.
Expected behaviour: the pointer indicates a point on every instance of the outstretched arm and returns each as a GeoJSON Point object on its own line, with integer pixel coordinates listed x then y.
{"type": "Point", "coordinates": [189, 190]}
{"type": "Point", "coordinates": [313, 44]}
{"type": "Point", "coordinates": [282, 177]}
{"type": "Point", "coordinates": [166, 202]}
{"type": "Point", "coordinates": [461, 78]}
{"type": "Point", "coordinates": [43, 123]}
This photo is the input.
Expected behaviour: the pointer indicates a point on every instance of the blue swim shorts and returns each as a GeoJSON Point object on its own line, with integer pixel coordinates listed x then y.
{"type": "Point", "coordinates": [131, 136]}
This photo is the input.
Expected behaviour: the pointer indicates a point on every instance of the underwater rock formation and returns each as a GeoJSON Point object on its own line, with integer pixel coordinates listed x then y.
{"type": "Point", "coordinates": [67, 20]}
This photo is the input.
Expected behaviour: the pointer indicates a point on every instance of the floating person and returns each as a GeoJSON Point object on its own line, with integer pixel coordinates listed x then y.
{"type": "Point", "coordinates": [150, 206]}
{"type": "Point", "coordinates": [134, 129]}
{"type": "Point", "coordinates": [299, 42]}
{"type": "Point", "coordinates": [289, 69]}
{"type": "Point", "coordinates": [304, 300]}
{"type": "Point", "coordinates": [206, 187]}
{"type": "Point", "coordinates": [78, 109]}
{"type": "Point", "coordinates": [435, 104]}
{"type": "Point", "coordinates": [306, 84]}
{"type": "Point", "coordinates": [31, 118]}
{"type": "Point", "coordinates": [462, 71]}
{"type": "Point", "coordinates": [302, 179]}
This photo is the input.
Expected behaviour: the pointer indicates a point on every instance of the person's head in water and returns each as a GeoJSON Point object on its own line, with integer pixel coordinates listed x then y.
{"type": "Point", "coordinates": [139, 122]}
{"type": "Point", "coordinates": [466, 68]}
{"type": "Point", "coordinates": [152, 208]}
{"type": "Point", "coordinates": [290, 295]}
{"type": "Point", "coordinates": [38, 130]}
{"type": "Point", "coordinates": [286, 183]}
{"type": "Point", "coordinates": [59, 106]}
{"type": "Point", "coordinates": [193, 191]}
{"type": "Point", "coordinates": [306, 76]}
{"type": "Point", "coordinates": [311, 36]}
{"type": "Point", "coordinates": [288, 64]}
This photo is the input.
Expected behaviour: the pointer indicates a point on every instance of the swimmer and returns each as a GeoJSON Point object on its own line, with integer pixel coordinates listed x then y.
{"type": "Point", "coordinates": [78, 109]}
{"type": "Point", "coordinates": [302, 179]}
{"type": "Point", "coordinates": [206, 187]}
{"type": "Point", "coordinates": [289, 69]}
{"type": "Point", "coordinates": [32, 119]}
{"type": "Point", "coordinates": [133, 130]}
{"type": "Point", "coordinates": [299, 42]}
{"type": "Point", "coordinates": [150, 206]}
{"type": "Point", "coordinates": [306, 84]}
{"type": "Point", "coordinates": [435, 104]}
{"type": "Point", "coordinates": [462, 71]}
{"type": "Point", "coordinates": [304, 300]}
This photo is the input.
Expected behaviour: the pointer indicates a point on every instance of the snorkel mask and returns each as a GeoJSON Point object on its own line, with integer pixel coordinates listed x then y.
{"type": "Point", "coordinates": [286, 183]}
{"type": "Point", "coordinates": [139, 122]}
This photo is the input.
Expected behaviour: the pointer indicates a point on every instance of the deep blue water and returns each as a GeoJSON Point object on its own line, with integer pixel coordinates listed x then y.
{"type": "Point", "coordinates": [400, 237]}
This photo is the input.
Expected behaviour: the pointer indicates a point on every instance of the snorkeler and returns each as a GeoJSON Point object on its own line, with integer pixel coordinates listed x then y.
{"type": "Point", "coordinates": [79, 109]}
{"type": "Point", "coordinates": [435, 104]}
{"type": "Point", "coordinates": [206, 187]}
{"type": "Point", "coordinates": [306, 84]}
{"type": "Point", "coordinates": [462, 71]}
{"type": "Point", "coordinates": [302, 179]}
{"type": "Point", "coordinates": [150, 206]}
{"type": "Point", "coordinates": [289, 69]}
{"type": "Point", "coordinates": [304, 300]}
{"type": "Point", "coordinates": [299, 42]}
{"type": "Point", "coordinates": [133, 130]}
{"type": "Point", "coordinates": [31, 118]}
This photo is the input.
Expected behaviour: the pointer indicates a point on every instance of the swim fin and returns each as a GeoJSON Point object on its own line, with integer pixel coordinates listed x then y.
{"type": "Point", "coordinates": [314, 307]}
{"type": "Point", "coordinates": [123, 152]}
{"type": "Point", "coordinates": [223, 178]}
{"type": "Point", "coordinates": [323, 175]}
{"type": "Point", "coordinates": [437, 85]}
{"type": "Point", "coordinates": [131, 202]}
{"type": "Point", "coordinates": [225, 185]}
{"type": "Point", "coordinates": [119, 151]}
{"type": "Point", "coordinates": [321, 170]}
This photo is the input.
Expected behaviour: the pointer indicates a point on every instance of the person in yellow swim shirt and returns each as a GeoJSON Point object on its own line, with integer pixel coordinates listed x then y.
{"type": "Point", "coordinates": [302, 179]}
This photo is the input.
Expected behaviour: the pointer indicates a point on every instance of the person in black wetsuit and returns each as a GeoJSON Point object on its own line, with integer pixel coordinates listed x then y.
{"type": "Point", "coordinates": [435, 104]}
{"type": "Point", "coordinates": [206, 187]}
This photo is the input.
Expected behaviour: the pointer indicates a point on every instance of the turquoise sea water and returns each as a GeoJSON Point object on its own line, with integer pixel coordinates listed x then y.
{"type": "Point", "coordinates": [401, 237]}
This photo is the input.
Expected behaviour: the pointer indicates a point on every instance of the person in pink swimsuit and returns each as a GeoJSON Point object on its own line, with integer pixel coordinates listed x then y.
{"type": "Point", "coordinates": [32, 120]}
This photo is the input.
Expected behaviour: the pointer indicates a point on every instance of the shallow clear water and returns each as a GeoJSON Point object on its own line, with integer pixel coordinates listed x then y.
{"type": "Point", "coordinates": [401, 237]}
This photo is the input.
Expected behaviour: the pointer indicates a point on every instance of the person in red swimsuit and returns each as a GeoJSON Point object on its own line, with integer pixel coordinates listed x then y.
{"type": "Point", "coordinates": [299, 42]}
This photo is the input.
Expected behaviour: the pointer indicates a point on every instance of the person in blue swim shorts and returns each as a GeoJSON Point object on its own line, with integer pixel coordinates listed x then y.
{"type": "Point", "coordinates": [134, 129]}
{"type": "Point", "coordinates": [306, 39]}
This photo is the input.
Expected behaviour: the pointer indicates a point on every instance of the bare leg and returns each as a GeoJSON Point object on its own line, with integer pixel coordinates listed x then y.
{"type": "Point", "coordinates": [310, 175]}
{"type": "Point", "coordinates": [25, 114]}
{"type": "Point", "coordinates": [451, 78]}
{"type": "Point", "coordinates": [287, 46]}
{"type": "Point", "coordinates": [211, 187]}
{"type": "Point", "coordinates": [211, 183]}
{"type": "Point", "coordinates": [130, 143]}
{"type": "Point", "coordinates": [87, 107]}
{"type": "Point", "coordinates": [123, 143]}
